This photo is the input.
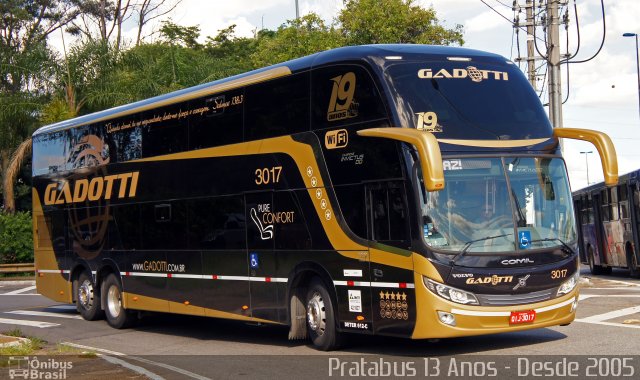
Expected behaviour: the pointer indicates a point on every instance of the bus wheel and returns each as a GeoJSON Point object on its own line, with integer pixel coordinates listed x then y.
{"type": "Point", "coordinates": [595, 269]}
{"type": "Point", "coordinates": [88, 298]}
{"type": "Point", "coordinates": [632, 261]}
{"type": "Point", "coordinates": [117, 316]}
{"type": "Point", "coordinates": [321, 323]}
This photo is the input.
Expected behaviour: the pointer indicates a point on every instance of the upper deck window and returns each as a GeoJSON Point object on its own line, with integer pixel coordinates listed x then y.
{"type": "Point", "coordinates": [343, 95]}
{"type": "Point", "coordinates": [467, 100]}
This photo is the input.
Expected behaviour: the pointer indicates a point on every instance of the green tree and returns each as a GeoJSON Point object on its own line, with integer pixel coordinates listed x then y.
{"type": "Point", "coordinates": [295, 39]}
{"type": "Point", "coordinates": [26, 66]}
{"type": "Point", "coordinates": [394, 21]}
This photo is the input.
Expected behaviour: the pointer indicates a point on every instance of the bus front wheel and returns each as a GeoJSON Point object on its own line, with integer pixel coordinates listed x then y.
{"type": "Point", "coordinates": [87, 298]}
{"type": "Point", "coordinates": [117, 316]}
{"type": "Point", "coordinates": [321, 322]}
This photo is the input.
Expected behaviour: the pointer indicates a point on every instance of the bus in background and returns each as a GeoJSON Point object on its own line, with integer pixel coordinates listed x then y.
{"type": "Point", "coordinates": [609, 220]}
{"type": "Point", "coordinates": [404, 190]}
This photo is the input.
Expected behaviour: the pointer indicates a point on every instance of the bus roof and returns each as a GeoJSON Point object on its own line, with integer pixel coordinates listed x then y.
{"type": "Point", "coordinates": [367, 53]}
{"type": "Point", "coordinates": [632, 176]}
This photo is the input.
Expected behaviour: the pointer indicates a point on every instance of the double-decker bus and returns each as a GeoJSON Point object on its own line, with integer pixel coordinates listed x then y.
{"type": "Point", "coordinates": [404, 190]}
{"type": "Point", "coordinates": [609, 218]}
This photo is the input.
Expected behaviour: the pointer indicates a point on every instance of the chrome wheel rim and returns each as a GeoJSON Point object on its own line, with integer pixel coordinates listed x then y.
{"type": "Point", "coordinates": [114, 302]}
{"type": "Point", "coordinates": [85, 294]}
{"type": "Point", "coordinates": [316, 316]}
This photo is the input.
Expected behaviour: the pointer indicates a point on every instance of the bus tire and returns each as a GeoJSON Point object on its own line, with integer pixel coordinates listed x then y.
{"type": "Point", "coordinates": [595, 269]}
{"type": "Point", "coordinates": [321, 322]}
{"type": "Point", "coordinates": [117, 316]}
{"type": "Point", "coordinates": [88, 298]}
{"type": "Point", "coordinates": [632, 262]}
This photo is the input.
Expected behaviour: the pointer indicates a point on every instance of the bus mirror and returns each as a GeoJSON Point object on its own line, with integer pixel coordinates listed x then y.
{"type": "Point", "coordinates": [427, 147]}
{"type": "Point", "coordinates": [603, 144]}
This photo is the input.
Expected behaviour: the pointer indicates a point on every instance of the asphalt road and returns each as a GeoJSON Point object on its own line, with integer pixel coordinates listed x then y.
{"type": "Point", "coordinates": [173, 346]}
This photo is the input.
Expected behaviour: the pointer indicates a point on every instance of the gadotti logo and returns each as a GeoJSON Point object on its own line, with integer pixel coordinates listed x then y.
{"type": "Point", "coordinates": [470, 72]}
{"type": "Point", "coordinates": [122, 185]}
{"type": "Point", "coordinates": [336, 139]}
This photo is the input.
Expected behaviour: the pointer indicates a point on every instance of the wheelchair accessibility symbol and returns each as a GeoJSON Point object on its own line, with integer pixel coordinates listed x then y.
{"type": "Point", "coordinates": [524, 238]}
{"type": "Point", "coordinates": [254, 263]}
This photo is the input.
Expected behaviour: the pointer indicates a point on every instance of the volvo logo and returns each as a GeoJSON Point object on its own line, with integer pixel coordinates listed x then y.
{"type": "Point", "coordinates": [526, 260]}
{"type": "Point", "coordinates": [522, 282]}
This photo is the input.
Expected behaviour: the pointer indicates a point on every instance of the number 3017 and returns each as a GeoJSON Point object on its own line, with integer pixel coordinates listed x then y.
{"type": "Point", "coordinates": [265, 176]}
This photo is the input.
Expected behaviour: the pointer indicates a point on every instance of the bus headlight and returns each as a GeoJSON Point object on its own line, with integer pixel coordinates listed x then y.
{"type": "Point", "coordinates": [568, 285]}
{"type": "Point", "coordinates": [450, 293]}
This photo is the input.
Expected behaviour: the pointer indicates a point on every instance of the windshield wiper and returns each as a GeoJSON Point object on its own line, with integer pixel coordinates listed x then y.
{"type": "Point", "coordinates": [566, 247]}
{"type": "Point", "coordinates": [467, 245]}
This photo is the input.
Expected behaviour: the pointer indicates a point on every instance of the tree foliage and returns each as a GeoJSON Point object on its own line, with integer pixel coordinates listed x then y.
{"type": "Point", "coordinates": [16, 240]}
{"type": "Point", "coordinates": [297, 38]}
{"type": "Point", "coordinates": [394, 21]}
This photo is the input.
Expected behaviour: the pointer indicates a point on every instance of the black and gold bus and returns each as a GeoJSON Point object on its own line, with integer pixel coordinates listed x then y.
{"type": "Point", "coordinates": [403, 190]}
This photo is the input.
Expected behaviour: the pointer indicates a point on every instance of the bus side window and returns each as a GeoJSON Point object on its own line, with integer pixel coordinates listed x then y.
{"type": "Point", "coordinates": [344, 94]}
{"type": "Point", "coordinates": [221, 125]}
{"type": "Point", "coordinates": [352, 205]}
{"type": "Point", "coordinates": [387, 213]}
{"type": "Point", "coordinates": [124, 230]}
{"type": "Point", "coordinates": [277, 107]}
{"type": "Point", "coordinates": [291, 228]}
{"type": "Point", "coordinates": [217, 223]}
{"type": "Point", "coordinates": [170, 234]}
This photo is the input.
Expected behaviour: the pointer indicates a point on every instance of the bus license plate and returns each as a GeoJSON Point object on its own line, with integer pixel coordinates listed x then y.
{"type": "Point", "coordinates": [518, 317]}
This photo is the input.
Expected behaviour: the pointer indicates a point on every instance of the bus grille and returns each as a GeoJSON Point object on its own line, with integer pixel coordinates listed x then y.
{"type": "Point", "coordinates": [514, 299]}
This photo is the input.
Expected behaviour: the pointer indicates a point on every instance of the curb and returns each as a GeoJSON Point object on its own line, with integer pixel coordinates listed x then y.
{"type": "Point", "coordinates": [15, 342]}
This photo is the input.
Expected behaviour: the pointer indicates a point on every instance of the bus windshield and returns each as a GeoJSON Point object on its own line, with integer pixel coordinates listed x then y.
{"type": "Point", "coordinates": [467, 100]}
{"type": "Point", "coordinates": [499, 205]}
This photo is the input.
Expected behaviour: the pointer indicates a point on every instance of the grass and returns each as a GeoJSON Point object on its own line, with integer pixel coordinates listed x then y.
{"type": "Point", "coordinates": [32, 345]}
{"type": "Point", "coordinates": [63, 349]}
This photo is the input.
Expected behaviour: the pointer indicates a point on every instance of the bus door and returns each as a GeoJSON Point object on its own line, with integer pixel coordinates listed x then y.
{"type": "Point", "coordinates": [600, 217]}
{"type": "Point", "coordinates": [388, 225]}
{"type": "Point", "coordinates": [261, 258]}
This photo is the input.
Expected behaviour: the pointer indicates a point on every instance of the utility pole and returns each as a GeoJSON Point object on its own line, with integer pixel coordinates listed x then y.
{"type": "Point", "coordinates": [553, 62]}
{"type": "Point", "coordinates": [529, 24]}
{"type": "Point", "coordinates": [531, 62]}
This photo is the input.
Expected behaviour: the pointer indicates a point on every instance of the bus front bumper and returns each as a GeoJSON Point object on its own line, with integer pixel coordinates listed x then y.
{"type": "Point", "coordinates": [479, 320]}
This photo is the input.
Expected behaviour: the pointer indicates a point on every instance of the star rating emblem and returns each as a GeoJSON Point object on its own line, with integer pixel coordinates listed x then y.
{"type": "Point", "coordinates": [309, 171]}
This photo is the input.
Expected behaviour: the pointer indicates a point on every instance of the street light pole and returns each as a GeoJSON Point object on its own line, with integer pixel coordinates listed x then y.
{"type": "Point", "coordinates": [637, 64]}
{"type": "Point", "coordinates": [586, 156]}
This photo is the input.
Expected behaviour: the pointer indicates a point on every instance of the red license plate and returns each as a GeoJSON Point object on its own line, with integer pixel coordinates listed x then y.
{"type": "Point", "coordinates": [518, 317]}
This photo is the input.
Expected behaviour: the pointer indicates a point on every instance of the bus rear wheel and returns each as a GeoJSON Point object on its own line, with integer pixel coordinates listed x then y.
{"type": "Point", "coordinates": [88, 298]}
{"type": "Point", "coordinates": [117, 316]}
{"type": "Point", "coordinates": [632, 261]}
{"type": "Point", "coordinates": [321, 322]}
{"type": "Point", "coordinates": [593, 268]}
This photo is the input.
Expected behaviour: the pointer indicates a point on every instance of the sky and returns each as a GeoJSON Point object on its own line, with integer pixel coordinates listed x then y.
{"type": "Point", "coordinates": [603, 92]}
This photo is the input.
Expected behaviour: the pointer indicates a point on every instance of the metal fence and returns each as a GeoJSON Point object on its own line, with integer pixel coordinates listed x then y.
{"type": "Point", "coordinates": [17, 268]}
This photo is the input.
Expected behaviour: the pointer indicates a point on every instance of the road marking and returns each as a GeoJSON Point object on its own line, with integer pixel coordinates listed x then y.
{"type": "Point", "coordinates": [587, 296]}
{"type": "Point", "coordinates": [608, 324]}
{"type": "Point", "coordinates": [142, 360]}
{"type": "Point", "coordinates": [44, 314]}
{"type": "Point", "coordinates": [634, 289]}
{"type": "Point", "coordinates": [22, 322]}
{"type": "Point", "coordinates": [612, 314]}
{"type": "Point", "coordinates": [617, 281]}
{"type": "Point", "coordinates": [19, 291]}
{"type": "Point", "coordinates": [134, 368]}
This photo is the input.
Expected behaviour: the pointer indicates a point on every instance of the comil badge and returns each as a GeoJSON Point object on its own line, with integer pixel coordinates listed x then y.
{"type": "Point", "coordinates": [336, 139]}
